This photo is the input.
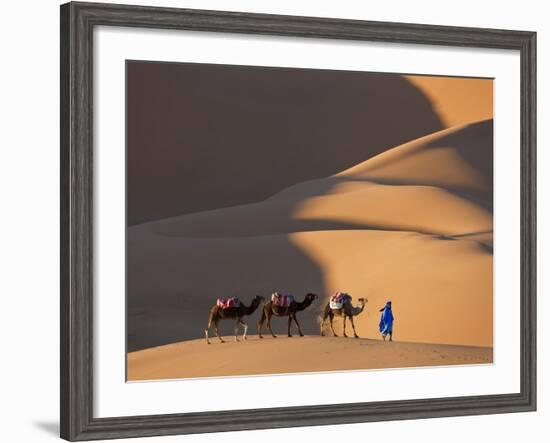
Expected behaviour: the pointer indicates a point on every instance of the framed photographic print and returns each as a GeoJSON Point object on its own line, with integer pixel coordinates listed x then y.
{"type": "Point", "coordinates": [273, 221]}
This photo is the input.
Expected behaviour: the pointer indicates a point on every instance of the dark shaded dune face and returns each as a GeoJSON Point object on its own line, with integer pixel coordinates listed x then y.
{"type": "Point", "coordinates": [202, 137]}
{"type": "Point", "coordinates": [475, 145]}
{"type": "Point", "coordinates": [173, 283]}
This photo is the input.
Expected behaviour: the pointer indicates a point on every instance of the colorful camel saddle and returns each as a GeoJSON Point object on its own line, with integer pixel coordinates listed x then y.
{"type": "Point", "coordinates": [338, 300]}
{"type": "Point", "coordinates": [283, 300]}
{"type": "Point", "coordinates": [226, 303]}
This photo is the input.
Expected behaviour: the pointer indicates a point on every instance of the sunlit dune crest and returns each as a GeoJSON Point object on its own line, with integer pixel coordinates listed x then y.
{"type": "Point", "coordinates": [422, 209]}
{"type": "Point", "coordinates": [458, 157]}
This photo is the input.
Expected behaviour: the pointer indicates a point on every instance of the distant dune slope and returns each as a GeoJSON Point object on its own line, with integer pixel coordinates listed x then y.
{"type": "Point", "coordinates": [437, 184]}
{"type": "Point", "coordinates": [456, 158]}
{"type": "Point", "coordinates": [413, 224]}
{"type": "Point", "coordinates": [272, 117]}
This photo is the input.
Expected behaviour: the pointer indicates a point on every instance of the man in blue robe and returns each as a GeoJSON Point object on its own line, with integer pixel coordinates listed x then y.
{"type": "Point", "coordinates": [386, 321]}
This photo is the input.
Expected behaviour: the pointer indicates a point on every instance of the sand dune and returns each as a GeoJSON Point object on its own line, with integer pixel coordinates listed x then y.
{"type": "Point", "coordinates": [426, 209]}
{"type": "Point", "coordinates": [438, 184]}
{"type": "Point", "coordinates": [455, 158]}
{"type": "Point", "coordinates": [413, 224]}
{"type": "Point", "coordinates": [456, 100]}
{"type": "Point", "coordinates": [441, 289]}
{"type": "Point", "coordinates": [308, 354]}
{"type": "Point", "coordinates": [272, 117]}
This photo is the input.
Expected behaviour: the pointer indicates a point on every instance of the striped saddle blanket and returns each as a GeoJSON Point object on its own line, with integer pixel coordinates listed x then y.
{"type": "Point", "coordinates": [283, 300]}
{"type": "Point", "coordinates": [337, 300]}
{"type": "Point", "coordinates": [226, 303]}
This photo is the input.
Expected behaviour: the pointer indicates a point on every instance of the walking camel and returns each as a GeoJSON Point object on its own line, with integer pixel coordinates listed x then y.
{"type": "Point", "coordinates": [237, 313]}
{"type": "Point", "coordinates": [289, 311]}
{"type": "Point", "coordinates": [347, 311]}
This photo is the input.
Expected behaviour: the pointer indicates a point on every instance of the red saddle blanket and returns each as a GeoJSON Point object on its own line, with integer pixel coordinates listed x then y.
{"type": "Point", "coordinates": [225, 303]}
{"type": "Point", "coordinates": [283, 300]}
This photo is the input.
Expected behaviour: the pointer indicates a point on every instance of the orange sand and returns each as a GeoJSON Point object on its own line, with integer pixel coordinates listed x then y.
{"type": "Point", "coordinates": [307, 354]}
{"type": "Point", "coordinates": [412, 225]}
{"type": "Point", "coordinates": [457, 100]}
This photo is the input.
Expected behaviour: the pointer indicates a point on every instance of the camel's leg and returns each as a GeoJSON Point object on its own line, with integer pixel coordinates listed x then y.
{"type": "Point", "coordinates": [331, 318]}
{"type": "Point", "coordinates": [206, 331]}
{"type": "Point", "coordinates": [353, 326]}
{"type": "Point", "coordinates": [245, 327]}
{"type": "Point", "coordinates": [345, 317]}
{"type": "Point", "coordinates": [236, 329]}
{"type": "Point", "coordinates": [289, 323]}
{"type": "Point", "coordinates": [298, 324]}
{"type": "Point", "coordinates": [268, 324]}
{"type": "Point", "coordinates": [260, 324]}
{"type": "Point", "coordinates": [323, 319]}
{"type": "Point", "coordinates": [217, 325]}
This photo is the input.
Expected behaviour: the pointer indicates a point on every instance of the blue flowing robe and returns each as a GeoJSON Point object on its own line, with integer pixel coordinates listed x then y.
{"type": "Point", "coordinates": [386, 321]}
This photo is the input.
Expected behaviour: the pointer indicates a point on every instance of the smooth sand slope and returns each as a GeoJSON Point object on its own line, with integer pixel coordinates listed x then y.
{"type": "Point", "coordinates": [283, 355]}
{"type": "Point", "coordinates": [413, 224]}
{"type": "Point", "coordinates": [440, 184]}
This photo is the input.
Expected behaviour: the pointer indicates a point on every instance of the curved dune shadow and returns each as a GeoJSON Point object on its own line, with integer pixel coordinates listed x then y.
{"type": "Point", "coordinates": [214, 136]}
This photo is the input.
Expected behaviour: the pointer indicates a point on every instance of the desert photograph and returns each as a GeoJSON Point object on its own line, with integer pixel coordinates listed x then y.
{"type": "Point", "coordinates": [285, 220]}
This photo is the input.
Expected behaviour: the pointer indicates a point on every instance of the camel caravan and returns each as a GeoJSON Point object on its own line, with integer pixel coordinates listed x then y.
{"type": "Point", "coordinates": [285, 305]}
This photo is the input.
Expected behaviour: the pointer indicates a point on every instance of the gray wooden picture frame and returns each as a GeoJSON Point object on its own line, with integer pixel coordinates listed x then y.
{"type": "Point", "coordinates": [77, 23]}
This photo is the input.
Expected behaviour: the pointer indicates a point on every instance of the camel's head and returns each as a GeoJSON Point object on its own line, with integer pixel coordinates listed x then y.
{"type": "Point", "coordinates": [363, 301]}
{"type": "Point", "coordinates": [311, 297]}
{"type": "Point", "coordinates": [258, 299]}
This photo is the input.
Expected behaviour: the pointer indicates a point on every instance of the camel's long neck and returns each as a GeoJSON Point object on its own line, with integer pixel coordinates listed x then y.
{"type": "Point", "coordinates": [304, 304]}
{"type": "Point", "coordinates": [250, 309]}
{"type": "Point", "coordinates": [357, 310]}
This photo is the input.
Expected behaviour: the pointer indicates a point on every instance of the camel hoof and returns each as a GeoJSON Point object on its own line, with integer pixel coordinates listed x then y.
{"type": "Point", "coordinates": [356, 336]}
{"type": "Point", "coordinates": [260, 336]}
{"type": "Point", "coordinates": [290, 335]}
{"type": "Point", "coordinates": [301, 335]}
{"type": "Point", "coordinates": [274, 336]}
{"type": "Point", "coordinates": [345, 336]}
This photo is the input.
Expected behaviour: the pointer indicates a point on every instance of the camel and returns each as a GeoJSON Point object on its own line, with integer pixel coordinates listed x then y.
{"type": "Point", "coordinates": [346, 311]}
{"type": "Point", "coordinates": [216, 314]}
{"type": "Point", "coordinates": [280, 311]}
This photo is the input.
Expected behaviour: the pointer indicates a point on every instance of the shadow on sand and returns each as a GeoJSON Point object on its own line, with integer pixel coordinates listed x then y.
{"type": "Point", "coordinates": [215, 136]}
